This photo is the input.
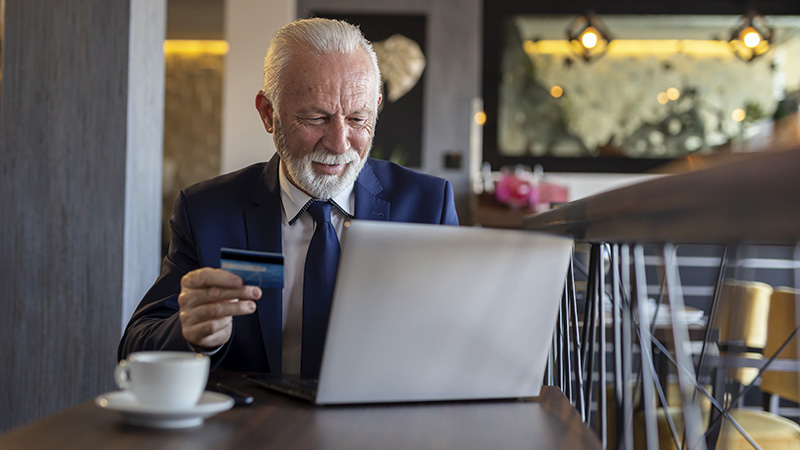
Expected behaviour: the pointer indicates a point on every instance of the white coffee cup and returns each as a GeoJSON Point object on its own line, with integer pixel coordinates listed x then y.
{"type": "Point", "coordinates": [169, 380]}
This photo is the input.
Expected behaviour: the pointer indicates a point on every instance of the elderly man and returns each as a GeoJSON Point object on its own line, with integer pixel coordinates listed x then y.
{"type": "Point", "coordinates": [319, 100]}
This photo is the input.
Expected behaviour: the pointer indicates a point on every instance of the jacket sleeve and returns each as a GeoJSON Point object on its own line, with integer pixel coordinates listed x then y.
{"type": "Point", "coordinates": [155, 324]}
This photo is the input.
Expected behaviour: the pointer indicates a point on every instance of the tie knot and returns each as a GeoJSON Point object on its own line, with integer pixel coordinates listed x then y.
{"type": "Point", "coordinates": [320, 210]}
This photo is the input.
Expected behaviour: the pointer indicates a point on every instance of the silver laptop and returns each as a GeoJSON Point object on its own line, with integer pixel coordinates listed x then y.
{"type": "Point", "coordinates": [431, 312]}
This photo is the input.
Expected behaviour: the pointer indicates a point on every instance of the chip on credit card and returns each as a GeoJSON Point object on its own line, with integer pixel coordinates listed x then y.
{"type": "Point", "coordinates": [261, 269]}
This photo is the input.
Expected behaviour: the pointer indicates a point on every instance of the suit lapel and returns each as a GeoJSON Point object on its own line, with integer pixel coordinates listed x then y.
{"type": "Point", "coordinates": [263, 222]}
{"type": "Point", "coordinates": [367, 205]}
{"type": "Point", "coordinates": [263, 225]}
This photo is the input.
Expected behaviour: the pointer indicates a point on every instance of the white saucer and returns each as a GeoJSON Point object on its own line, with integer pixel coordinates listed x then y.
{"type": "Point", "coordinates": [125, 402]}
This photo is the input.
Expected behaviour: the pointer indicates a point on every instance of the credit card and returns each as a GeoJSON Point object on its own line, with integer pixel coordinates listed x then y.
{"type": "Point", "coordinates": [261, 269]}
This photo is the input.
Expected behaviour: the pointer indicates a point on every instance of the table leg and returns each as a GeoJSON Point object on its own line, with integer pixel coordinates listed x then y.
{"type": "Point", "coordinates": [639, 304]}
{"type": "Point", "coordinates": [577, 351]}
{"type": "Point", "coordinates": [692, 415]}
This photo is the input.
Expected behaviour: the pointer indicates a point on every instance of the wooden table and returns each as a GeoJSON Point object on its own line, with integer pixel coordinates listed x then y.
{"type": "Point", "coordinates": [278, 422]}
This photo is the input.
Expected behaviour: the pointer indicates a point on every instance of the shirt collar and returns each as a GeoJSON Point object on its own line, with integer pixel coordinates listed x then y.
{"type": "Point", "coordinates": [295, 201]}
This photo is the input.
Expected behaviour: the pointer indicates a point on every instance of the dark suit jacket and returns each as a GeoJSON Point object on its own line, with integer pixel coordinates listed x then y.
{"type": "Point", "coordinates": [243, 210]}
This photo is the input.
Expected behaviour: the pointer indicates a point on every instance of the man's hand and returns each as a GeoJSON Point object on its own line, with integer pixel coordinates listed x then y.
{"type": "Point", "coordinates": [208, 301]}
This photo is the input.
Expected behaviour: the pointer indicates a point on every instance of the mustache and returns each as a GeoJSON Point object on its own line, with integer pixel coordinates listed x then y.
{"type": "Point", "coordinates": [325, 157]}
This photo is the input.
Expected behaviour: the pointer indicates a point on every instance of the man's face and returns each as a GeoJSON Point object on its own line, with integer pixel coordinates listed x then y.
{"type": "Point", "coordinates": [325, 121]}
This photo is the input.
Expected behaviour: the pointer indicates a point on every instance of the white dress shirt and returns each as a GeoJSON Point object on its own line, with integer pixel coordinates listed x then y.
{"type": "Point", "coordinates": [296, 235]}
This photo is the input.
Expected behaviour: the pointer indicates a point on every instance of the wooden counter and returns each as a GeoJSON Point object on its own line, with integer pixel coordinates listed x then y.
{"type": "Point", "coordinates": [752, 200]}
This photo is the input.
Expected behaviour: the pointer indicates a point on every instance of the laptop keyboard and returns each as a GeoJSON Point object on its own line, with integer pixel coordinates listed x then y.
{"type": "Point", "coordinates": [299, 387]}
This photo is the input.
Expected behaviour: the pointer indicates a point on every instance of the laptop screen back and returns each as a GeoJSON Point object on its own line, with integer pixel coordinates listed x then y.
{"type": "Point", "coordinates": [428, 312]}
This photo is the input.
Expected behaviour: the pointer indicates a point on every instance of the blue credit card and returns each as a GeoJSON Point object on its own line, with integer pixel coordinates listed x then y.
{"type": "Point", "coordinates": [261, 269]}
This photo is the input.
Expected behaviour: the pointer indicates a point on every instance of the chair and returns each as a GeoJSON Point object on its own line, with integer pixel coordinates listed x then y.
{"type": "Point", "coordinates": [749, 328]}
{"type": "Point", "coordinates": [742, 318]}
{"type": "Point", "coordinates": [782, 324]}
{"type": "Point", "coordinates": [752, 321]}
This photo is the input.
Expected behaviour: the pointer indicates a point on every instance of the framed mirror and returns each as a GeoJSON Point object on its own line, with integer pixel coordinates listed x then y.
{"type": "Point", "coordinates": [662, 87]}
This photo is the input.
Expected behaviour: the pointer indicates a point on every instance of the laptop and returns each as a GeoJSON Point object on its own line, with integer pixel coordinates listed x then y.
{"type": "Point", "coordinates": [434, 313]}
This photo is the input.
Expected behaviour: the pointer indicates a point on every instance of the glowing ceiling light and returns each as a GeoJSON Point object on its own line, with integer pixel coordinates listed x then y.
{"type": "Point", "coordinates": [738, 115]}
{"type": "Point", "coordinates": [589, 38]}
{"type": "Point", "coordinates": [480, 118]}
{"type": "Point", "coordinates": [662, 98]}
{"type": "Point", "coordinates": [556, 91]}
{"type": "Point", "coordinates": [751, 37]}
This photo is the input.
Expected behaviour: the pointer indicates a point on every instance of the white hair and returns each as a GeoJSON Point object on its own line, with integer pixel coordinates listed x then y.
{"type": "Point", "coordinates": [317, 35]}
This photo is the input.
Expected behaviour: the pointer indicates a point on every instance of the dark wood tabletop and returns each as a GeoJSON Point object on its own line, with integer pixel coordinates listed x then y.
{"type": "Point", "coordinates": [275, 421]}
{"type": "Point", "coordinates": [751, 200]}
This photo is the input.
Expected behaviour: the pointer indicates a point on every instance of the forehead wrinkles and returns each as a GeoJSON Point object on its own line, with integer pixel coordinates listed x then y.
{"type": "Point", "coordinates": [335, 79]}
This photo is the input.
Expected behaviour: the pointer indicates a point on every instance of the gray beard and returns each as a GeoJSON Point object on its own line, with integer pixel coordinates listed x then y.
{"type": "Point", "coordinates": [302, 174]}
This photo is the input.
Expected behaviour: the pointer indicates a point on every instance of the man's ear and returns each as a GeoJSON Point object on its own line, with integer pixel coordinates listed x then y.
{"type": "Point", "coordinates": [380, 99]}
{"type": "Point", "coordinates": [265, 110]}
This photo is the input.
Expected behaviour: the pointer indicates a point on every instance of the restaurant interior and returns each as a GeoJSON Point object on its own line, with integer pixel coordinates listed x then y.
{"type": "Point", "coordinates": [663, 137]}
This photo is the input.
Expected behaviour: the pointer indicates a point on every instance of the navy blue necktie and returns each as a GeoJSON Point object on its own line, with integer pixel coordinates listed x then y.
{"type": "Point", "coordinates": [322, 261]}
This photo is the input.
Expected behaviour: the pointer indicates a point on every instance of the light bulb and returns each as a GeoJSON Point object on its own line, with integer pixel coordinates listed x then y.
{"type": "Point", "coordinates": [589, 39]}
{"type": "Point", "coordinates": [751, 39]}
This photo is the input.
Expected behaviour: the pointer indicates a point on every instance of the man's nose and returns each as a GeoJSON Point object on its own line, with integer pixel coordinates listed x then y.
{"type": "Point", "coordinates": [337, 137]}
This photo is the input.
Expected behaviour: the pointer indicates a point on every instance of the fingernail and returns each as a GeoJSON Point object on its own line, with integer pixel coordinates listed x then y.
{"type": "Point", "coordinates": [251, 306]}
{"type": "Point", "coordinates": [255, 292]}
